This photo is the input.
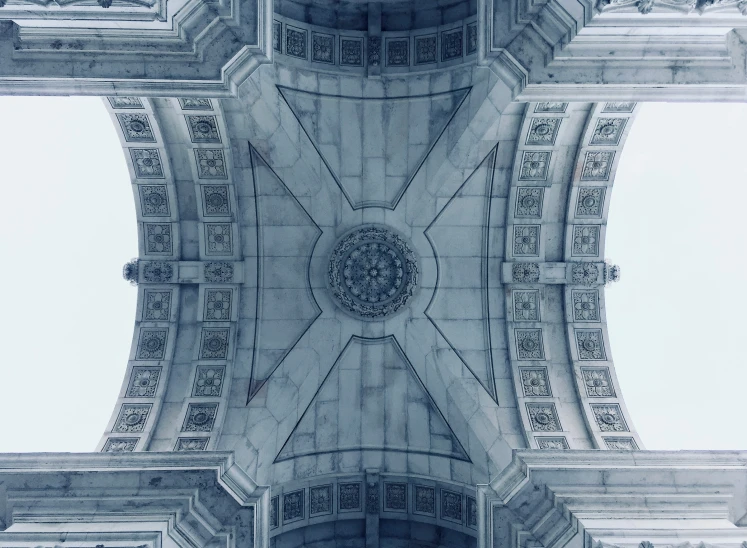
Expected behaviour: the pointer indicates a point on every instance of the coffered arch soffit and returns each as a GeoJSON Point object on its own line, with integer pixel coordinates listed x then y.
{"type": "Point", "coordinates": [238, 344]}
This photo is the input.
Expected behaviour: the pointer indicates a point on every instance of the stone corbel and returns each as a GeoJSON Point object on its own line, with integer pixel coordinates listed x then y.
{"type": "Point", "coordinates": [139, 271]}
{"type": "Point", "coordinates": [577, 273]}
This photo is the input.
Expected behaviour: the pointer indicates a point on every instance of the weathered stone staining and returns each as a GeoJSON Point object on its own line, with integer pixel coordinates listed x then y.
{"type": "Point", "coordinates": [372, 265]}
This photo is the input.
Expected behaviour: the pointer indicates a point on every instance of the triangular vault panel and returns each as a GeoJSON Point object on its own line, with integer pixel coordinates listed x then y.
{"type": "Point", "coordinates": [372, 399]}
{"type": "Point", "coordinates": [373, 147]}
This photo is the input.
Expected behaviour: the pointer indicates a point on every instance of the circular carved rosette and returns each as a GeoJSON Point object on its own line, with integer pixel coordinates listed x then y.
{"type": "Point", "coordinates": [372, 273]}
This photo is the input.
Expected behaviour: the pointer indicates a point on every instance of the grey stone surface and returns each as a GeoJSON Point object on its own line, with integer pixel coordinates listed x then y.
{"type": "Point", "coordinates": [478, 323]}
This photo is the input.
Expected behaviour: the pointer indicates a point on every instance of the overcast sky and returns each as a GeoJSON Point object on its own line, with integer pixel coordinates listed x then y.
{"type": "Point", "coordinates": [676, 228]}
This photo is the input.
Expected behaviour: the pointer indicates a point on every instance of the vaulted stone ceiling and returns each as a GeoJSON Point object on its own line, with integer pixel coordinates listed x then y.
{"type": "Point", "coordinates": [343, 277]}
{"type": "Point", "coordinates": [367, 272]}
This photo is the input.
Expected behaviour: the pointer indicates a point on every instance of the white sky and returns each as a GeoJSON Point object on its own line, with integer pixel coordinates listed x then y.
{"type": "Point", "coordinates": [69, 225]}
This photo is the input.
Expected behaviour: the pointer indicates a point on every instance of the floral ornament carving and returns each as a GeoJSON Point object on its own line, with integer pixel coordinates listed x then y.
{"type": "Point", "coordinates": [274, 512]}
{"type": "Point", "coordinates": [598, 383]}
{"type": "Point", "coordinates": [210, 163]}
{"type": "Point", "coordinates": [195, 103]}
{"type": "Point", "coordinates": [154, 201]}
{"type": "Point", "coordinates": [471, 38]}
{"type": "Point", "coordinates": [590, 344]}
{"type": "Point", "coordinates": [200, 417]}
{"type": "Point", "coordinates": [645, 6]}
{"type": "Point", "coordinates": [534, 166]}
{"type": "Point", "coordinates": [621, 444]}
{"type": "Point", "coordinates": [471, 512]}
{"type": "Point", "coordinates": [351, 52]}
{"type": "Point", "coordinates": [543, 417]}
{"type": "Point", "coordinates": [619, 107]}
{"type": "Point", "coordinates": [214, 344]}
{"type": "Point", "coordinates": [295, 42]}
{"type": "Point", "coordinates": [590, 201]}
{"type": "Point", "coordinates": [158, 239]}
{"type": "Point", "coordinates": [126, 102]}
{"type": "Point", "coordinates": [218, 272]}
{"type": "Point", "coordinates": [203, 129]}
{"type": "Point", "coordinates": [320, 500]}
{"type": "Point", "coordinates": [323, 48]}
{"type": "Point", "coordinates": [585, 240]}
{"type": "Point", "coordinates": [551, 107]}
{"type": "Point", "coordinates": [158, 272]}
{"type": "Point", "coordinates": [209, 381]}
{"type": "Point", "coordinates": [609, 418]}
{"type": "Point", "coordinates": [374, 51]}
{"type": "Point", "coordinates": [277, 36]}
{"type": "Point", "coordinates": [611, 273]}
{"type": "Point", "coordinates": [534, 381]}
{"type": "Point", "coordinates": [218, 239]}
{"type": "Point", "coordinates": [191, 444]}
{"type": "Point", "coordinates": [525, 272]}
{"type": "Point", "coordinates": [552, 443]}
{"type": "Point", "coordinates": [136, 128]}
{"type": "Point", "coordinates": [130, 271]}
{"type": "Point", "coordinates": [119, 445]}
{"type": "Point", "coordinates": [585, 273]}
{"type": "Point", "coordinates": [143, 382]}
{"type": "Point", "coordinates": [526, 240]}
{"type": "Point", "coordinates": [147, 163]}
{"type": "Point", "coordinates": [529, 202]}
{"type": "Point", "coordinates": [542, 131]}
{"type": "Point", "coordinates": [372, 497]}
{"type": "Point", "coordinates": [608, 131]}
{"type": "Point", "coordinates": [157, 305]}
{"type": "Point", "coordinates": [217, 305]}
{"type": "Point", "coordinates": [451, 506]}
{"type": "Point", "coordinates": [216, 200]}
{"type": "Point", "coordinates": [350, 496]}
{"type": "Point", "coordinates": [597, 166]}
{"type": "Point", "coordinates": [132, 418]}
{"type": "Point", "coordinates": [152, 344]}
{"type": "Point", "coordinates": [451, 45]}
{"type": "Point", "coordinates": [425, 500]}
{"type": "Point", "coordinates": [293, 506]}
{"type": "Point", "coordinates": [395, 497]}
{"type": "Point", "coordinates": [425, 49]}
{"type": "Point", "coordinates": [585, 305]}
{"type": "Point", "coordinates": [526, 305]}
{"type": "Point", "coordinates": [529, 344]}
{"type": "Point", "coordinates": [372, 272]}
{"type": "Point", "coordinates": [398, 52]}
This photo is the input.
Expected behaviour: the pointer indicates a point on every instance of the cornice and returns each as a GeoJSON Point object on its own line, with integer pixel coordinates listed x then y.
{"type": "Point", "coordinates": [570, 50]}
{"type": "Point", "coordinates": [205, 50]}
{"type": "Point", "coordinates": [600, 499]}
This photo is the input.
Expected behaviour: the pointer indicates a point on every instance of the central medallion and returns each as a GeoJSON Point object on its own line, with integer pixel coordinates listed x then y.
{"type": "Point", "coordinates": [372, 272]}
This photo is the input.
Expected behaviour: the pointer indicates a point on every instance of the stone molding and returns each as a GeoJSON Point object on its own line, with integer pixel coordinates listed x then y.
{"type": "Point", "coordinates": [383, 495]}
{"type": "Point", "coordinates": [189, 272]}
{"type": "Point", "coordinates": [571, 273]}
{"type": "Point", "coordinates": [564, 149]}
{"type": "Point", "coordinates": [191, 152]}
{"type": "Point", "coordinates": [540, 52]}
{"type": "Point", "coordinates": [299, 44]}
{"type": "Point", "coordinates": [200, 50]}
{"type": "Point", "coordinates": [207, 501]}
{"type": "Point", "coordinates": [576, 494]}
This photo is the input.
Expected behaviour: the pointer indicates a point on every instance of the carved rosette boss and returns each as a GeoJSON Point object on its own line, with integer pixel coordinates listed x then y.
{"type": "Point", "coordinates": [372, 273]}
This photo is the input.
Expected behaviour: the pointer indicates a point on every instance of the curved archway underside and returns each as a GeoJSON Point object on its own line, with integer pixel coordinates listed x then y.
{"type": "Point", "coordinates": [239, 346]}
